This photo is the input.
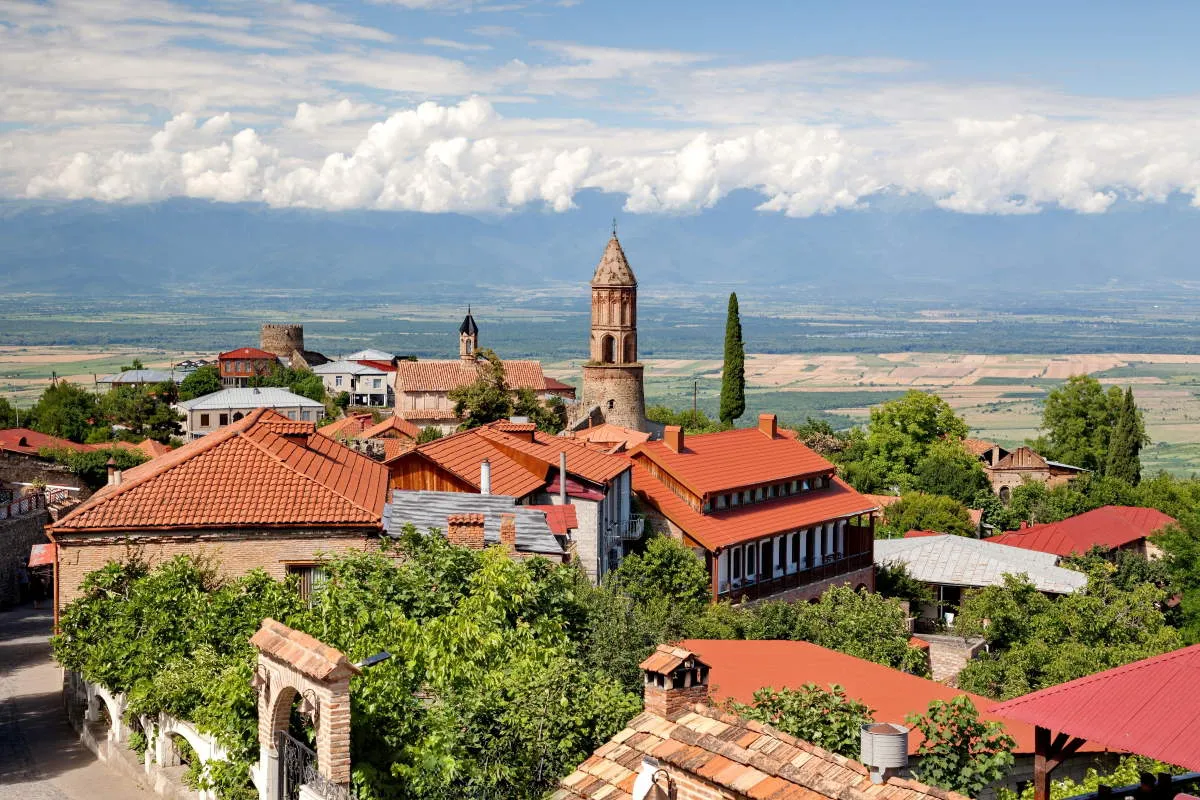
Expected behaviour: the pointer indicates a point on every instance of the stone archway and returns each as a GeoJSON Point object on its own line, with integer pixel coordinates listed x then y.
{"type": "Point", "coordinates": [291, 665]}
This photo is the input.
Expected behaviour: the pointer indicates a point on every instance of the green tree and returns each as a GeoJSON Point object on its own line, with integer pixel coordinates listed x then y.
{"type": "Point", "coordinates": [948, 469]}
{"type": "Point", "coordinates": [65, 410]}
{"type": "Point", "coordinates": [1126, 773]}
{"type": "Point", "coordinates": [667, 569]}
{"type": "Point", "coordinates": [144, 411]}
{"type": "Point", "coordinates": [429, 434]}
{"type": "Point", "coordinates": [826, 718]}
{"type": "Point", "coordinates": [303, 382]}
{"type": "Point", "coordinates": [894, 580]}
{"type": "Point", "coordinates": [1078, 419]}
{"type": "Point", "coordinates": [1181, 557]}
{"type": "Point", "coordinates": [862, 624]}
{"type": "Point", "coordinates": [733, 374]}
{"type": "Point", "coordinates": [550, 416]}
{"type": "Point", "coordinates": [342, 400]}
{"type": "Point", "coordinates": [960, 751]}
{"type": "Point", "coordinates": [202, 381]}
{"type": "Point", "coordinates": [819, 436]}
{"type": "Point", "coordinates": [691, 422]}
{"type": "Point", "coordinates": [137, 364]}
{"type": "Point", "coordinates": [899, 435]}
{"type": "Point", "coordinates": [916, 511]}
{"type": "Point", "coordinates": [8, 414]}
{"type": "Point", "coordinates": [92, 465]}
{"type": "Point", "coordinates": [487, 399]}
{"type": "Point", "coordinates": [1125, 443]}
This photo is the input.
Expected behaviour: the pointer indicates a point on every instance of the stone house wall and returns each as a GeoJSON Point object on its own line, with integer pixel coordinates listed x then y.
{"type": "Point", "coordinates": [618, 386]}
{"type": "Point", "coordinates": [17, 536]}
{"type": "Point", "coordinates": [25, 469]}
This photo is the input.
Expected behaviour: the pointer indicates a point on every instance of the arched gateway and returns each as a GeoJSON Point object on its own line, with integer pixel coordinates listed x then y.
{"type": "Point", "coordinates": [293, 665]}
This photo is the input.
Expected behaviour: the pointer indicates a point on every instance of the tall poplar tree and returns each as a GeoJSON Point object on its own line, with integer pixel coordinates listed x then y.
{"type": "Point", "coordinates": [733, 377]}
{"type": "Point", "coordinates": [1125, 444]}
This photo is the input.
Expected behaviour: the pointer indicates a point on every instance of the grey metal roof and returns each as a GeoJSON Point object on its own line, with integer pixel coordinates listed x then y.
{"type": "Point", "coordinates": [370, 354]}
{"type": "Point", "coordinates": [265, 397]}
{"type": "Point", "coordinates": [143, 376]}
{"type": "Point", "coordinates": [1061, 465]}
{"type": "Point", "coordinates": [962, 561]}
{"type": "Point", "coordinates": [346, 368]}
{"type": "Point", "coordinates": [430, 509]}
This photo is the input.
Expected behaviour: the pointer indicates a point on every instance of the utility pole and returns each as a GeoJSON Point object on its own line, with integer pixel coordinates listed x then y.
{"type": "Point", "coordinates": [695, 392]}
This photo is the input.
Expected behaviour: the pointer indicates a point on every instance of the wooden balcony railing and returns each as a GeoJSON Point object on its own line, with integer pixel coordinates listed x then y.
{"type": "Point", "coordinates": [804, 577]}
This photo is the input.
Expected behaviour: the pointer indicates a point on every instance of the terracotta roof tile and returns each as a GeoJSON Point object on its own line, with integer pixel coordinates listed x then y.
{"type": "Point", "coordinates": [755, 521]}
{"type": "Point", "coordinates": [261, 470]}
{"type": "Point", "coordinates": [442, 376]}
{"type": "Point", "coordinates": [392, 427]}
{"type": "Point", "coordinates": [462, 453]}
{"type": "Point", "coordinates": [348, 427]}
{"type": "Point", "coordinates": [429, 414]}
{"type": "Point", "coordinates": [978, 447]}
{"type": "Point", "coordinates": [583, 461]}
{"type": "Point", "coordinates": [561, 519]}
{"type": "Point", "coordinates": [246, 352]}
{"type": "Point", "coordinates": [306, 654]}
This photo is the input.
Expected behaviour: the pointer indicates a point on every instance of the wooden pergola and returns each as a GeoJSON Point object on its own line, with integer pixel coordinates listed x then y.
{"type": "Point", "coordinates": [1149, 707]}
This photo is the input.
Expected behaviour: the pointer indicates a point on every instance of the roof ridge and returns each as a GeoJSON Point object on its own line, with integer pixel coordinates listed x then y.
{"type": "Point", "coordinates": [309, 478]}
{"type": "Point", "coordinates": [207, 443]}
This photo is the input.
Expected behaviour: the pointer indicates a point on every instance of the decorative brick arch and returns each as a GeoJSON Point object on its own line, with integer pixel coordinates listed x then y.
{"type": "Point", "coordinates": [608, 348]}
{"type": "Point", "coordinates": [291, 664]}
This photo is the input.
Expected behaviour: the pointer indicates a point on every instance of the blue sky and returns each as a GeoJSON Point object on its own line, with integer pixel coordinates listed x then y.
{"type": "Point", "coordinates": [488, 107]}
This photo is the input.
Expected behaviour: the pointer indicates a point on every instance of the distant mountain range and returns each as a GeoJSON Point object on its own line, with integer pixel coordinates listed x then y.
{"type": "Point", "coordinates": [889, 253]}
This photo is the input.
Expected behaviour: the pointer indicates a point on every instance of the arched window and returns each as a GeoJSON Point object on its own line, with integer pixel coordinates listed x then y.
{"type": "Point", "coordinates": [1005, 494]}
{"type": "Point", "coordinates": [237, 415]}
{"type": "Point", "coordinates": [607, 347]}
{"type": "Point", "coordinates": [630, 349]}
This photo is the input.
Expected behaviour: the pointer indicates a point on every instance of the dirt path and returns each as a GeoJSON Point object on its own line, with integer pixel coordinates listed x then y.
{"type": "Point", "coordinates": [40, 757]}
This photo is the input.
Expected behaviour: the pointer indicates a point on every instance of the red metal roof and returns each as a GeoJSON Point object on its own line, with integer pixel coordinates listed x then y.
{"type": "Point", "coordinates": [755, 521]}
{"type": "Point", "coordinates": [561, 519]}
{"type": "Point", "coordinates": [1149, 707]}
{"type": "Point", "coordinates": [24, 440]}
{"type": "Point", "coordinates": [739, 668]}
{"type": "Point", "coordinates": [1108, 526]}
{"type": "Point", "coordinates": [41, 555]}
{"type": "Point", "coordinates": [246, 352]}
{"type": "Point", "coordinates": [716, 462]}
{"type": "Point", "coordinates": [383, 366]}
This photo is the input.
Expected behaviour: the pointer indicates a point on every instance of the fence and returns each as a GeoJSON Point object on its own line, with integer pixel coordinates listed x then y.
{"type": "Point", "coordinates": [22, 506]}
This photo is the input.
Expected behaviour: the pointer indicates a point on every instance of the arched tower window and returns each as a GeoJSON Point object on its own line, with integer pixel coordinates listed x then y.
{"type": "Point", "coordinates": [630, 349]}
{"type": "Point", "coordinates": [607, 347]}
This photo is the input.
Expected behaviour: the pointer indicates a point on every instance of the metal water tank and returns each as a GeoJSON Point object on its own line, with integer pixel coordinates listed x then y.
{"type": "Point", "coordinates": [884, 749]}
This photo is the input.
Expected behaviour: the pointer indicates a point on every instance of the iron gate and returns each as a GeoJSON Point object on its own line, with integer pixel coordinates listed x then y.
{"type": "Point", "coordinates": [298, 767]}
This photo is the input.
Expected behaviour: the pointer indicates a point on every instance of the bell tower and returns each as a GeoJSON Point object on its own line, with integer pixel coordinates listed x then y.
{"type": "Point", "coordinates": [612, 378]}
{"type": "Point", "coordinates": [468, 337]}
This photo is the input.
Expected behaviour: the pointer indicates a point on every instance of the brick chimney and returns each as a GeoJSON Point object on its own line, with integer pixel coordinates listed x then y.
{"type": "Point", "coordinates": [508, 532]}
{"type": "Point", "coordinates": [673, 438]}
{"type": "Point", "coordinates": [465, 530]}
{"type": "Point", "coordinates": [675, 680]}
{"type": "Point", "coordinates": [768, 424]}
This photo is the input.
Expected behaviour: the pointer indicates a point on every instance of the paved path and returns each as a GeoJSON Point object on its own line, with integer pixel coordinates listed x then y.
{"type": "Point", "coordinates": [40, 757]}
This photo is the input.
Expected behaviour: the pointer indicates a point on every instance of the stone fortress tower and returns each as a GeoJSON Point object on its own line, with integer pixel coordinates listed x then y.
{"type": "Point", "coordinates": [282, 340]}
{"type": "Point", "coordinates": [612, 378]}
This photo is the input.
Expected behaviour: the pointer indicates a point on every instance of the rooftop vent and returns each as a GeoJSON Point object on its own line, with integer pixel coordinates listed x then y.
{"type": "Point", "coordinates": [884, 750]}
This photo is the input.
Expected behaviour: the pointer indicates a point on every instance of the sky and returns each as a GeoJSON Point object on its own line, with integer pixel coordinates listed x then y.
{"type": "Point", "coordinates": [492, 106]}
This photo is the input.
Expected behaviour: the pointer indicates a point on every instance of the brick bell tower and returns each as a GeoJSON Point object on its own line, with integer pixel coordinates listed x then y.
{"type": "Point", "coordinates": [612, 378]}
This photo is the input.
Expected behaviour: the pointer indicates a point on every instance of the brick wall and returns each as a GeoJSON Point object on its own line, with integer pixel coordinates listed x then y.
{"type": "Point", "coordinates": [17, 536]}
{"type": "Point", "coordinates": [949, 654]}
{"type": "Point", "coordinates": [20, 468]}
{"type": "Point", "coordinates": [236, 552]}
{"type": "Point", "coordinates": [465, 530]}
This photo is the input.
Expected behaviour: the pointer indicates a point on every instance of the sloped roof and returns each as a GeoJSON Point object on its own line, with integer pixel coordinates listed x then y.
{"type": "Point", "coordinates": [745, 758]}
{"type": "Point", "coordinates": [246, 352]}
{"type": "Point", "coordinates": [139, 376]}
{"type": "Point", "coordinates": [390, 427]}
{"type": "Point", "coordinates": [28, 442]}
{"type": "Point", "coordinates": [468, 325]}
{"type": "Point", "coordinates": [308, 655]}
{"type": "Point", "coordinates": [370, 354]}
{"type": "Point", "coordinates": [1107, 526]}
{"type": "Point", "coordinates": [264, 470]}
{"type": "Point", "coordinates": [382, 366]}
{"type": "Point", "coordinates": [442, 376]}
{"type": "Point", "coordinates": [1149, 707]}
{"type": "Point", "coordinates": [711, 463]}
{"type": "Point", "coordinates": [583, 461]}
{"type": "Point", "coordinates": [346, 367]}
{"type": "Point", "coordinates": [561, 519]}
{"type": "Point", "coordinates": [739, 668]}
{"type": "Point", "coordinates": [613, 269]}
{"type": "Point", "coordinates": [428, 414]}
{"type": "Point", "coordinates": [978, 447]}
{"type": "Point", "coordinates": [553, 384]}
{"type": "Point", "coordinates": [147, 447]}
{"type": "Point", "coordinates": [264, 397]}
{"type": "Point", "coordinates": [746, 523]}
{"type": "Point", "coordinates": [462, 453]}
{"type": "Point", "coordinates": [428, 510]}
{"type": "Point", "coordinates": [882, 500]}
{"type": "Point", "coordinates": [349, 426]}
{"type": "Point", "coordinates": [963, 561]}
{"type": "Point", "coordinates": [608, 435]}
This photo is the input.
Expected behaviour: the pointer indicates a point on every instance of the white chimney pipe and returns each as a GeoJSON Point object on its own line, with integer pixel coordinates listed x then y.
{"type": "Point", "coordinates": [562, 478]}
{"type": "Point", "coordinates": [485, 477]}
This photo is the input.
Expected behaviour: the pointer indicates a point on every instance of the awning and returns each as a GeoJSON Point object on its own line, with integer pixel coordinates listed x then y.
{"type": "Point", "coordinates": [41, 555]}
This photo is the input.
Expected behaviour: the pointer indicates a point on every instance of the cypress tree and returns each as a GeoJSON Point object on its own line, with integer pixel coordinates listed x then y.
{"type": "Point", "coordinates": [733, 377]}
{"type": "Point", "coordinates": [1125, 444]}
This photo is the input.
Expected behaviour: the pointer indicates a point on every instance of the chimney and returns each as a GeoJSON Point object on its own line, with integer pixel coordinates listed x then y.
{"type": "Point", "coordinates": [562, 478]}
{"type": "Point", "coordinates": [675, 680]}
{"type": "Point", "coordinates": [768, 424]}
{"type": "Point", "coordinates": [465, 530]}
{"type": "Point", "coordinates": [508, 532]}
{"type": "Point", "coordinates": [485, 477]}
{"type": "Point", "coordinates": [673, 438]}
{"type": "Point", "coordinates": [114, 474]}
{"type": "Point", "coordinates": [884, 750]}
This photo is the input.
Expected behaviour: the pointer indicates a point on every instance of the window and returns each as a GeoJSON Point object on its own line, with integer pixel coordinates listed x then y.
{"type": "Point", "coordinates": [735, 569]}
{"type": "Point", "coordinates": [795, 486]}
{"type": "Point", "coordinates": [306, 415]}
{"type": "Point", "coordinates": [223, 419]}
{"type": "Point", "coordinates": [751, 561]}
{"type": "Point", "coordinates": [723, 573]}
{"type": "Point", "coordinates": [758, 494]}
{"type": "Point", "coordinates": [747, 497]}
{"type": "Point", "coordinates": [737, 499]}
{"type": "Point", "coordinates": [291, 414]}
{"type": "Point", "coordinates": [337, 380]}
{"type": "Point", "coordinates": [780, 555]}
{"type": "Point", "coordinates": [804, 486]}
{"type": "Point", "coordinates": [204, 420]}
{"type": "Point", "coordinates": [720, 502]}
{"type": "Point", "coordinates": [793, 563]}
{"type": "Point", "coordinates": [376, 382]}
{"type": "Point", "coordinates": [771, 490]}
{"type": "Point", "coordinates": [766, 552]}
{"type": "Point", "coordinates": [311, 577]}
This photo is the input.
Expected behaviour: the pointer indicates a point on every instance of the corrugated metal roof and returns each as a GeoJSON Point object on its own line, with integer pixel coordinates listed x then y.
{"type": "Point", "coordinates": [370, 354]}
{"type": "Point", "coordinates": [135, 376]}
{"type": "Point", "coordinates": [1149, 707]}
{"type": "Point", "coordinates": [430, 509]}
{"type": "Point", "coordinates": [265, 397]}
{"type": "Point", "coordinates": [962, 561]}
{"type": "Point", "coordinates": [1107, 526]}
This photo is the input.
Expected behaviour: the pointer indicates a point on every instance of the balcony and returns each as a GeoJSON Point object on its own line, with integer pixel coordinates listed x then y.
{"type": "Point", "coordinates": [22, 506]}
{"type": "Point", "coordinates": [840, 565]}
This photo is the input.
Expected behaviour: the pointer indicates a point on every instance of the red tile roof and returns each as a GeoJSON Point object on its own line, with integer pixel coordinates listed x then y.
{"type": "Point", "coordinates": [554, 385]}
{"type": "Point", "coordinates": [883, 500]}
{"type": "Point", "coordinates": [1108, 526]}
{"type": "Point", "coordinates": [755, 521]}
{"type": "Point", "coordinates": [462, 453]}
{"type": "Point", "coordinates": [607, 435]}
{"type": "Point", "coordinates": [978, 447]}
{"type": "Point", "coordinates": [391, 427]}
{"type": "Point", "coordinates": [28, 442]}
{"type": "Point", "coordinates": [919, 534]}
{"type": "Point", "coordinates": [147, 447]}
{"type": "Point", "coordinates": [508, 426]}
{"type": "Point", "coordinates": [443, 414]}
{"type": "Point", "coordinates": [583, 461]}
{"type": "Point", "coordinates": [1149, 707]}
{"type": "Point", "coordinates": [263, 470]}
{"type": "Point", "coordinates": [394, 448]}
{"type": "Point", "coordinates": [716, 462]}
{"type": "Point", "coordinates": [347, 427]}
{"type": "Point", "coordinates": [442, 376]}
{"type": "Point", "coordinates": [246, 352]}
{"type": "Point", "coordinates": [741, 667]}
{"type": "Point", "coordinates": [561, 519]}
{"type": "Point", "coordinates": [306, 654]}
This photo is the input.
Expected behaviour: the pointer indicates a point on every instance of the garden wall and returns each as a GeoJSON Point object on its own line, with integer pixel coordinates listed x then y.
{"type": "Point", "coordinates": [17, 536]}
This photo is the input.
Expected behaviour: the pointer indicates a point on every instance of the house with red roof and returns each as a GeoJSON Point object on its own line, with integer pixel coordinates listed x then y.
{"type": "Point", "coordinates": [239, 366]}
{"type": "Point", "coordinates": [383, 440]}
{"type": "Point", "coordinates": [768, 515]}
{"type": "Point", "coordinates": [516, 459]}
{"type": "Point", "coordinates": [265, 492]}
{"type": "Point", "coordinates": [1108, 527]}
{"type": "Point", "coordinates": [22, 466]}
